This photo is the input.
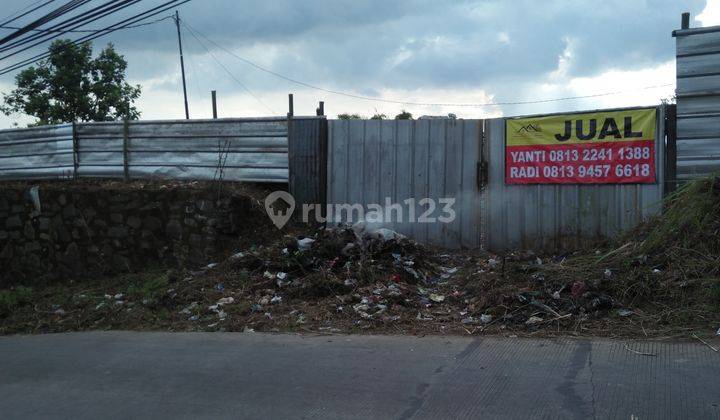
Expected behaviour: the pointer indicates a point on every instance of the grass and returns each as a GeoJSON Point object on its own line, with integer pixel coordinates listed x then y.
{"type": "Point", "coordinates": [151, 287]}
{"type": "Point", "coordinates": [14, 298]}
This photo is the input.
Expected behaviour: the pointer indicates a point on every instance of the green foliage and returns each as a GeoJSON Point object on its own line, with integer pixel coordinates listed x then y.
{"type": "Point", "coordinates": [379, 117]}
{"type": "Point", "coordinates": [349, 117]}
{"type": "Point", "coordinates": [691, 220]}
{"type": "Point", "coordinates": [14, 298]}
{"type": "Point", "coordinates": [72, 86]}
{"type": "Point", "coordinates": [404, 115]}
{"type": "Point", "coordinates": [153, 287]}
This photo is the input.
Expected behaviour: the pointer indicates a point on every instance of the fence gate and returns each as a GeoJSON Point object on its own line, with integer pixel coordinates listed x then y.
{"type": "Point", "coordinates": [401, 162]}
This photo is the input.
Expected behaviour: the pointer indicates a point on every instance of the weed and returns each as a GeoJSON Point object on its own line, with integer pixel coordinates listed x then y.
{"type": "Point", "coordinates": [14, 298]}
{"type": "Point", "coordinates": [152, 288]}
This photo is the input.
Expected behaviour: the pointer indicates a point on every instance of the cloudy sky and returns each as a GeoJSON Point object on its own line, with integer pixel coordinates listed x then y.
{"type": "Point", "coordinates": [423, 51]}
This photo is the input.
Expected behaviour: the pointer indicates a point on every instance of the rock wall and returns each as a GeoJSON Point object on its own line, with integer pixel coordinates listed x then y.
{"type": "Point", "coordinates": [59, 230]}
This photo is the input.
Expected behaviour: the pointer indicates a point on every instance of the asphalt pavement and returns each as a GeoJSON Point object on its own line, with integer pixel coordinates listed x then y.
{"type": "Point", "coordinates": [250, 375]}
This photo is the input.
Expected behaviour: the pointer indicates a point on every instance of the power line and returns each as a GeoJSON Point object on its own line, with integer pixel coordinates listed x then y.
{"type": "Point", "coordinates": [102, 32]}
{"type": "Point", "coordinates": [227, 70]}
{"type": "Point", "coordinates": [66, 8]}
{"type": "Point", "coordinates": [91, 30]}
{"type": "Point", "coordinates": [9, 18]}
{"type": "Point", "coordinates": [376, 99]}
{"type": "Point", "coordinates": [72, 23]}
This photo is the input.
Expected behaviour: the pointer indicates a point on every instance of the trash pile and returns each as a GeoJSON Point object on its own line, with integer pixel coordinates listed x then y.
{"type": "Point", "coordinates": [660, 280]}
{"type": "Point", "coordinates": [353, 278]}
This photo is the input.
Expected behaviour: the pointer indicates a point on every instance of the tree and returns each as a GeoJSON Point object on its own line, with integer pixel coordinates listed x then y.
{"type": "Point", "coordinates": [71, 86]}
{"type": "Point", "coordinates": [404, 115]}
{"type": "Point", "coordinates": [379, 117]}
{"type": "Point", "coordinates": [349, 117]}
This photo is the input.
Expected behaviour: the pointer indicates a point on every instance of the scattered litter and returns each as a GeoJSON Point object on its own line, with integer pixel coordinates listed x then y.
{"type": "Point", "coordinates": [492, 263]}
{"type": "Point", "coordinates": [210, 266]}
{"type": "Point", "coordinates": [639, 352]}
{"type": "Point", "coordinates": [608, 273]}
{"type": "Point", "coordinates": [624, 312]}
{"type": "Point", "coordinates": [705, 342]}
{"type": "Point", "coordinates": [437, 298]}
{"type": "Point", "coordinates": [276, 299]}
{"type": "Point", "coordinates": [190, 308]}
{"type": "Point", "coordinates": [533, 320]}
{"type": "Point", "coordinates": [421, 317]}
{"type": "Point", "coordinates": [305, 243]}
{"type": "Point", "coordinates": [226, 301]}
{"type": "Point", "coordinates": [486, 319]}
{"type": "Point", "coordinates": [118, 296]}
{"type": "Point", "coordinates": [577, 289]}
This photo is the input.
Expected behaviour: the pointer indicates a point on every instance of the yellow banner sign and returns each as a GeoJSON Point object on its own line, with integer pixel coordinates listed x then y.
{"type": "Point", "coordinates": [593, 127]}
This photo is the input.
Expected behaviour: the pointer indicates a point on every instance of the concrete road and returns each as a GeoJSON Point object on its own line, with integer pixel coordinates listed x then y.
{"type": "Point", "coordinates": [247, 375]}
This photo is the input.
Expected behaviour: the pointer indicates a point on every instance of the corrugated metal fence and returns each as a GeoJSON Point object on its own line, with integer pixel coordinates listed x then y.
{"type": "Point", "coordinates": [369, 160]}
{"type": "Point", "coordinates": [252, 149]}
{"type": "Point", "coordinates": [698, 102]}
{"type": "Point", "coordinates": [40, 152]}
{"type": "Point", "coordinates": [376, 162]}
{"type": "Point", "coordinates": [562, 216]}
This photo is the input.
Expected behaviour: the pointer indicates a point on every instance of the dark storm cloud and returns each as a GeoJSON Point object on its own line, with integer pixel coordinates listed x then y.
{"type": "Point", "coordinates": [365, 46]}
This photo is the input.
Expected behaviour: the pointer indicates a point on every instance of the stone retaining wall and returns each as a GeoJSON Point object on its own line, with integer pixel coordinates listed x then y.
{"type": "Point", "coordinates": [61, 230]}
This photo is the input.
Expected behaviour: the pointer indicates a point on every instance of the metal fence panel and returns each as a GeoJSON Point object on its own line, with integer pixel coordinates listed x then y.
{"type": "Point", "coordinates": [370, 161]}
{"type": "Point", "coordinates": [230, 149]}
{"type": "Point", "coordinates": [307, 152]}
{"type": "Point", "coordinates": [247, 149]}
{"type": "Point", "coordinates": [36, 153]}
{"type": "Point", "coordinates": [698, 102]}
{"type": "Point", "coordinates": [542, 217]}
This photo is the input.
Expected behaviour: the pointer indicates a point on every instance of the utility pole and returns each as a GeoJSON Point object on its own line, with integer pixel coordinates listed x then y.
{"type": "Point", "coordinates": [182, 64]}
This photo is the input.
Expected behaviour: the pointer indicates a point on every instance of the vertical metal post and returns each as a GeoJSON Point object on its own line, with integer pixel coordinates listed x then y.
{"type": "Point", "coordinates": [671, 148]}
{"type": "Point", "coordinates": [182, 64]}
{"type": "Point", "coordinates": [290, 143]}
{"type": "Point", "coordinates": [126, 141]}
{"type": "Point", "coordinates": [321, 109]}
{"type": "Point", "coordinates": [214, 104]}
{"type": "Point", "coordinates": [685, 24]}
{"type": "Point", "coordinates": [76, 158]}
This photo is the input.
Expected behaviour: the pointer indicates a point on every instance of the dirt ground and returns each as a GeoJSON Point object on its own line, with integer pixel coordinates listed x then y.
{"type": "Point", "coordinates": [661, 281]}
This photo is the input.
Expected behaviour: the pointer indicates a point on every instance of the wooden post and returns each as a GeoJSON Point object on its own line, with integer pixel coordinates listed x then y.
{"type": "Point", "coordinates": [685, 21]}
{"type": "Point", "coordinates": [182, 64]}
{"type": "Point", "coordinates": [214, 104]}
